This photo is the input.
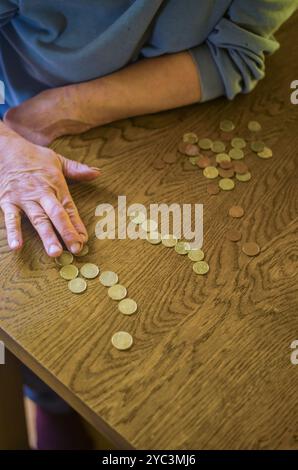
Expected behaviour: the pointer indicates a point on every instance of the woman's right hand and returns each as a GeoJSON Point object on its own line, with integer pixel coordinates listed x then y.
{"type": "Point", "coordinates": [32, 180]}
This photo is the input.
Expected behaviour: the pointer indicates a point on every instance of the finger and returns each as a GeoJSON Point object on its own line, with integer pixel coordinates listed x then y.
{"type": "Point", "coordinates": [44, 228]}
{"type": "Point", "coordinates": [61, 221]}
{"type": "Point", "coordinates": [73, 213]}
{"type": "Point", "coordinates": [12, 218]}
{"type": "Point", "coordinates": [78, 171]}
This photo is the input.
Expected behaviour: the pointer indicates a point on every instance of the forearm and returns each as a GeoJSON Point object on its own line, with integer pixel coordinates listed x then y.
{"type": "Point", "coordinates": [148, 86]}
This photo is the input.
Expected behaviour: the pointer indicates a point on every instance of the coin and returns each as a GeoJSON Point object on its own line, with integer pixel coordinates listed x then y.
{"type": "Point", "coordinates": [169, 240]}
{"type": "Point", "coordinates": [191, 150]}
{"type": "Point", "coordinates": [182, 147]}
{"type": "Point", "coordinates": [226, 173]}
{"type": "Point", "coordinates": [89, 270]}
{"type": "Point", "coordinates": [203, 161]}
{"type": "Point", "coordinates": [137, 217]}
{"type": "Point", "coordinates": [251, 249]}
{"type": "Point", "coordinates": [205, 144]}
{"type": "Point", "coordinates": [254, 126]}
{"type": "Point", "coordinates": [222, 157]}
{"type": "Point", "coordinates": [193, 160]}
{"type": "Point", "coordinates": [236, 212]}
{"type": "Point", "coordinates": [117, 292]}
{"type": "Point", "coordinates": [212, 189]}
{"type": "Point", "coordinates": [265, 153]}
{"type": "Point", "coordinates": [84, 251]}
{"type": "Point", "coordinates": [154, 238]}
{"type": "Point", "coordinates": [159, 164]}
{"type": "Point", "coordinates": [77, 285]}
{"type": "Point", "coordinates": [196, 255]}
{"type": "Point", "coordinates": [218, 146]}
{"type": "Point", "coordinates": [69, 272]}
{"type": "Point", "coordinates": [213, 161]}
{"type": "Point", "coordinates": [149, 225]}
{"type": "Point", "coordinates": [170, 157]}
{"type": "Point", "coordinates": [257, 146]}
{"type": "Point", "coordinates": [240, 167]}
{"type": "Point", "coordinates": [200, 267]}
{"type": "Point", "coordinates": [226, 125]}
{"type": "Point", "coordinates": [108, 278]}
{"type": "Point", "coordinates": [245, 177]}
{"type": "Point", "coordinates": [127, 306]}
{"type": "Point", "coordinates": [238, 143]}
{"type": "Point", "coordinates": [226, 184]}
{"type": "Point", "coordinates": [236, 154]}
{"type": "Point", "coordinates": [226, 165]}
{"type": "Point", "coordinates": [190, 138]}
{"type": "Point", "coordinates": [182, 248]}
{"type": "Point", "coordinates": [233, 235]}
{"type": "Point", "coordinates": [122, 340]}
{"type": "Point", "coordinates": [210, 172]}
{"type": "Point", "coordinates": [64, 259]}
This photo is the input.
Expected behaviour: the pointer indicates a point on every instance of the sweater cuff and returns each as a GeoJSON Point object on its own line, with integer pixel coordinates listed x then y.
{"type": "Point", "coordinates": [212, 85]}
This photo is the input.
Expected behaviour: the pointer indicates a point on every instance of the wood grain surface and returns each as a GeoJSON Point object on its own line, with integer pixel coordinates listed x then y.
{"type": "Point", "coordinates": [210, 366]}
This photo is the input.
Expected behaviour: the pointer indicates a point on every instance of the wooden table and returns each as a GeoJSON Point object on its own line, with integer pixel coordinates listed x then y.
{"type": "Point", "coordinates": [210, 366]}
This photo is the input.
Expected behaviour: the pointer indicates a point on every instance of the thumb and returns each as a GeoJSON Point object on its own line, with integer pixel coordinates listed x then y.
{"type": "Point", "coordinates": [78, 171]}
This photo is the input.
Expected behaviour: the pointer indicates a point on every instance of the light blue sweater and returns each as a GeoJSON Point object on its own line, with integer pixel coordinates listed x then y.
{"type": "Point", "coordinates": [51, 43]}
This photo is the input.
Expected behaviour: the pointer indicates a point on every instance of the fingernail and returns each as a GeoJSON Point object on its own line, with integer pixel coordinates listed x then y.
{"type": "Point", "coordinates": [14, 244]}
{"type": "Point", "coordinates": [54, 250]}
{"type": "Point", "coordinates": [76, 247]}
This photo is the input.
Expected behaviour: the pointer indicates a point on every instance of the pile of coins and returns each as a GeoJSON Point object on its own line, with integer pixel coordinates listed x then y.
{"type": "Point", "coordinates": [77, 285]}
{"type": "Point", "coordinates": [224, 160]}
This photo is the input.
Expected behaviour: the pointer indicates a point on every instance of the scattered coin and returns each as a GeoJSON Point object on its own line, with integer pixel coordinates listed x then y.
{"type": "Point", "coordinates": [117, 292]}
{"type": "Point", "coordinates": [226, 165]}
{"type": "Point", "coordinates": [240, 167]}
{"type": "Point", "coordinates": [159, 164]}
{"type": "Point", "coordinates": [200, 267]}
{"type": "Point", "coordinates": [108, 278]}
{"type": "Point", "coordinates": [194, 160]}
{"type": "Point", "coordinates": [265, 153]}
{"type": "Point", "coordinates": [205, 144]}
{"type": "Point", "coordinates": [210, 172]}
{"type": "Point", "coordinates": [222, 157]}
{"type": "Point", "coordinates": [203, 162]}
{"type": "Point", "coordinates": [84, 251]}
{"type": "Point", "coordinates": [169, 240]}
{"type": "Point", "coordinates": [154, 238]}
{"type": "Point", "coordinates": [64, 259]}
{"type": "Point", "coordinates": [251, 249]}
{"type": "Point", "coordinates": [226, 173]}
{"type": "Point", "coordinates": [190, 138]}
{"type": "Point", "coordinates": [170, 157]}
{"type": "Point", "coordinates": [149, 225]}
{"type": "Point", "coordinates": [127, 306]}
{"type": "Point", "coordinates": [137, 217]}
{"type": "Point", "coordinates": [69, 272]}
{"type": "Point", "coordinates": [89, 270]}
{"type": "Point", "coordinates": [212, 189]}
{"type": "Point", "coordinates": [226, 125]}
{"type": "Point", "coordinates": [77, 285]}
{"type": "Point", "coordinates": [218, 146]}
{"type": "Point", "coordinates": [182, 248]}
{"type": "Point", "coordinates": [243, 177]}
{"type": "Point", "coordinates": [236, 154]}
{"type": "Point", "coordinates": [238, 143]}
{"type": "Point", "coordinates": [196, 255]}
{"type": "Point", "coordinates": [122, 340]}
{"type": "Point", "coordinates": [182, 147]}
{"type": "Point", "coordinates": [236, 212]}
{"type": "Point", "coordinates": [254, 126]}
{"type": "Point", "coordinates": [191, 150]}
{"type": "Point", "coordinates": [257, 146]}
{"type": "Point", "coordinates": [226, 184]}
{"type": "Point", "coordinates": [234, 235]}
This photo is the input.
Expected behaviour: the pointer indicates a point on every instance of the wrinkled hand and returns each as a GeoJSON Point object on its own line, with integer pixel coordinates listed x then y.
{"type": "Point", "coordinates": [32, 180]}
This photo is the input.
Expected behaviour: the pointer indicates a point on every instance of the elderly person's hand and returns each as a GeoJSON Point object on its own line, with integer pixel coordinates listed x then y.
{"type": "Point", "coordinates": [32, 180]}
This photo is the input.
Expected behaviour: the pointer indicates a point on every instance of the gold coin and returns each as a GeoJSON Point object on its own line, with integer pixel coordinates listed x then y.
{"type": "Point", "coordinates": [254, 126]}
{"type": "Point", "coordinates": [190, 138]}
{"type": "Point", "coordinates": [64, 259]}
{"type": "Point", "coordinates": [226, 184]}
{"type": "Point", "coordinates": [251, 249]}
{"type": "Point", "coordinates": [137, 217]}
{"type": "Point", "coordinates": [226, 125]}
{"type": "Point", "coordinates": [201, 267]}
{"type": "Point", "coordinates": [117, 292]}
{"type": "Point", "coordinates": [108, 278]}
{"type": "Point", "coordinates": [236, 212]}
{"type": "Point", "coordinates": [122, 340]}
{"type": "Point", "coordinates": [182, 248]}
{"type": "Point", "coordinates": [210, 172]}
{"type": "Point", "coordinates": [222, 157]}
{"type": "Point", "coordinates": [84, 251]}
{"type": "Point", "coordinates": [77, 285]}
{"type": "Point", "coordinates": [127, 306]}
{"type": "Point", "coordinates": [193, 160]}
{"type": "Point", "coordinates": [169, 240]}
{"type": "Point", "coordinates": [149, 225]}
{"type": "Point", "coordinates": [238, 143]}
{"type": "Point", "coordinates": [243, 177]}
{"type": "Point", "coordinates": [205, 144]}
{"type": "Point", "coordinates": [218, 146]}
{"type": "Point", "coordinates": [257, 146]}
{"type": "Point", "coordinates": [154, 238]}
{"type": "Point", "coordinates": [69, 272]}
{"type": "Point", "coordinates": [196, 255]}
{"type": "Point", "coordinates": [236, 154]}
{"type": "Point", "coordinates": [89, 270]}
{"type": "Point", "coordinates": [265, 153]}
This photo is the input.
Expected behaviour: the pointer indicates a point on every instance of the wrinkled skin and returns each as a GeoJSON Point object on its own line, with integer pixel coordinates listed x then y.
{"type": "Point", "coordinates": [32, 181]}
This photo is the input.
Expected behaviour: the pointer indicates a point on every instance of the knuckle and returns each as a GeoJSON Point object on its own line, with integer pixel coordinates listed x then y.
{"type": "Point", "coordinates": [38, 219]}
